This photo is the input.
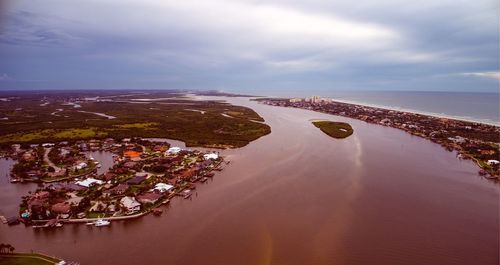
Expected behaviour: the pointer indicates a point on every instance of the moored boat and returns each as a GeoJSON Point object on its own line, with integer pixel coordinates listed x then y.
{"type": "Point", "coordinates": [99, 222]}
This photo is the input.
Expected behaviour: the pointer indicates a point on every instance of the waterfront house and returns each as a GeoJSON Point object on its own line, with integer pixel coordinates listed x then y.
{"type": "Point", "coordinates": [212, 156]}
{"type": "Point", "coordinates": [163, 187]}
{"type": "Point", "coordinates": [131, 204]}
{"type": "Point", "coordinates": [149, 197]}
{"type": "Point", "coordinates": [492, 162]}
{"type": "Point", "coordinates": [62, 209]}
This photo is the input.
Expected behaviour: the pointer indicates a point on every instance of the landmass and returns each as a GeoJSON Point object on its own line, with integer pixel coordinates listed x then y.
{"type": "Point", "coordinates": [53, 116]}
{"type": "Point", "coordinates": [337, 130]}
{"type": "Point", "coordinates": [471, 140]}
{"type": "Point", "coordinates": [51, 134]}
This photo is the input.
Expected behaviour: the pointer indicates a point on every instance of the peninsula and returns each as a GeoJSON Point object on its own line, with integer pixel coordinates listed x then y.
{"type": "Point", "coordinates": [54, 116]}
{"type": "Point", "coordinates": [471, 140]}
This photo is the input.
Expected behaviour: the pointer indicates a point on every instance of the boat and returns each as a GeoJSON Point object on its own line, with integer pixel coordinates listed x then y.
{"type": "Point", "coordinates": [157, 212]}
{"type": "Point", "coordinates": [204, 179]}
{"type": "Point", "coordinates": [102, 222]}
{"type": "Point", "coordinates": [99, 222]}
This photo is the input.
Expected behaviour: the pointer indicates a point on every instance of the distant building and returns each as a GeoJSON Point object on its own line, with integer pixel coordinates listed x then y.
{"type": "Point", "coordinates": [149, 197]}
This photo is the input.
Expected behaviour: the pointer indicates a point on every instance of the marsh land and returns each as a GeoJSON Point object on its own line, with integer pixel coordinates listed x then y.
{"type": "Point", "coordinates": [52, 116]}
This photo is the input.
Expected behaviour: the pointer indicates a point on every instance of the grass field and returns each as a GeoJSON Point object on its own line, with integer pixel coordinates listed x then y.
{"type": "Point", "coordinates": [26, 259]}
{"type": "Point", "coordinates": [334, 129]}
{"type": "Point", "coordinates": [23, 261]}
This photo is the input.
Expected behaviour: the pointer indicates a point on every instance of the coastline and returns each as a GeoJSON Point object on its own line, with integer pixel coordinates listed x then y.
{"type": "Point", "coordinates": [413, 111]}
{"type": "Point", "coordinates": [471, 140]}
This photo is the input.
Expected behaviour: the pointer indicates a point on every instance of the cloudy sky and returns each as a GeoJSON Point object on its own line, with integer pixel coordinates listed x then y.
{"type": "Point", "coordinates": [250, 45]}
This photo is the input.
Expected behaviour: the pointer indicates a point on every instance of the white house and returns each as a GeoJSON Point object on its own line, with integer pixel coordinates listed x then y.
{"type": "Point", "coordinates": [81, 165]}
{"type": "Point", "coordinates": [163, 187]}
{"type": "Point", "coordinates": [211, 156]}
{"type": "Point", "coordinates": [131, 204]}
{"type": "Point", "coordinates": [174, 150]}
{"type": "Point", "coordinates": [493, 162]}
{"type": "Point", "coordinates": [90, 181]}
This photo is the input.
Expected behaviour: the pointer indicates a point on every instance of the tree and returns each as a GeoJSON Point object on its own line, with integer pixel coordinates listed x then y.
{"type": "Point", "coordinates": [11, 249]}
{"type": "Point", "coordinates": [2, 247]}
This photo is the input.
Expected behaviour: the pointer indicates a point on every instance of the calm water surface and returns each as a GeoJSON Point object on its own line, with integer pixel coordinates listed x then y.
{"type": "Point", "coordinates": [297, 196]}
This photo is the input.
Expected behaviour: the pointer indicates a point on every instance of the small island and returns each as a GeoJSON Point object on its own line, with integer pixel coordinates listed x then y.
{"type": "Point", "coordinates": [334, 129]}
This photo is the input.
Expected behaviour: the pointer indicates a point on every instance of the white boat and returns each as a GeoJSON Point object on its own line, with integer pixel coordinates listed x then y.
{"type": "Point", "coordinates": [99, 222]}
{"type": "Point", "coordinates": [102, 222]}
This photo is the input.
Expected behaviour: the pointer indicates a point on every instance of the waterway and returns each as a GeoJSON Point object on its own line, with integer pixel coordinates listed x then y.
{"type": "Point", "coordinates": [297, 196]}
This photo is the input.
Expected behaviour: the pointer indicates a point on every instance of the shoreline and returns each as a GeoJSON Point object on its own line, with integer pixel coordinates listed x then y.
{"type": "Point", "coordinates": [475, 141]}
{"type": "Point", "coordinates": [413, 111]}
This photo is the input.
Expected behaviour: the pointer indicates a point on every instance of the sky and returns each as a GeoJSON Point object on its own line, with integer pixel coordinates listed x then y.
{"type": "Point", "coordinates": [251, 46]}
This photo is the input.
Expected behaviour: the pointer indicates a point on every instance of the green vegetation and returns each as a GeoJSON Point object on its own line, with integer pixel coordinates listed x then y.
{"type": "Point", "coordinates": [67, 134]}
{"type": "Point", "coordinates": [24, 119]}
{"type": "Point", "coordinates": [26, 259]}
{"type": "Point", "coordinates": [334, 129]}
{"type": "Point", "coordinates": [138, 125]}
{"type": "Point", "coordinates": [23, 261]}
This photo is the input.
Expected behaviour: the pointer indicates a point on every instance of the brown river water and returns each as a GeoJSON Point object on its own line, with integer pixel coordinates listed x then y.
{"type": "Point", "coordinates": [297, 196]}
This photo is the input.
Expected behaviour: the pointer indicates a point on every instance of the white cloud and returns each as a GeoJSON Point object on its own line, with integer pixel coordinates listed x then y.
{"type": "Point", "coordinates": [493, 74]}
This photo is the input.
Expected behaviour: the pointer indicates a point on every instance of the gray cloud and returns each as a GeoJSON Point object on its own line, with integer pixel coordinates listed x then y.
{"type": "Point", "coordinates": [245, 44]}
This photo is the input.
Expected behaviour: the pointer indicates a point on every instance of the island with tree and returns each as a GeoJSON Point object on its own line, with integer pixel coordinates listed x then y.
{"type": "Point", "coordinates": [334, 129]}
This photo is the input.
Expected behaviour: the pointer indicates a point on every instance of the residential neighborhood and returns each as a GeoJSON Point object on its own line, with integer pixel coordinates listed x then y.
{"type": "Point", "coordinates": [144, 175]}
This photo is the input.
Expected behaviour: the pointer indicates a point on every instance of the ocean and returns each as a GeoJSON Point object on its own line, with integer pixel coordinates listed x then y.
{"type": "Point", "coordinates": [473, 106]}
